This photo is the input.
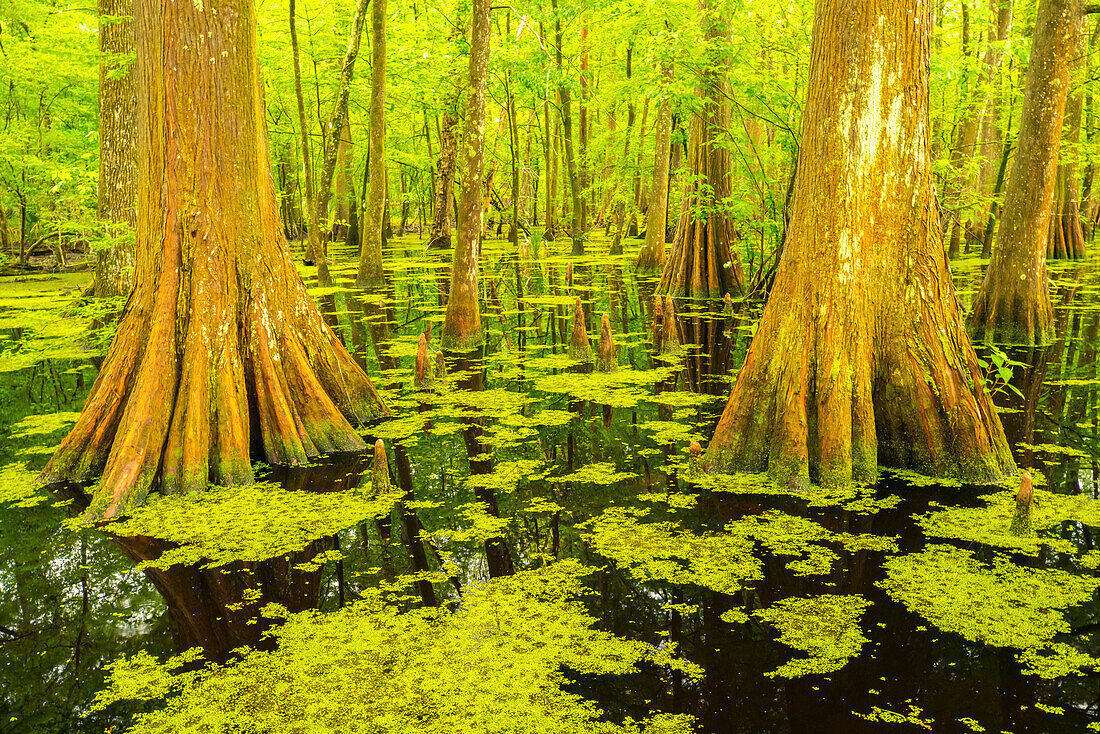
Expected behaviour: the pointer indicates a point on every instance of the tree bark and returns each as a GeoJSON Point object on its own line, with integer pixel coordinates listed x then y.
{"type": "Point", "coordinates": [114, 270]}
{"type": "Point", "coordinates": [1013, 304]}
{"type": "Point", "coordinates": [220, 354]}
{"type": "Point", "coordinates": [462, 323]}
{"type": "Point", "coordinates": [861, 358]}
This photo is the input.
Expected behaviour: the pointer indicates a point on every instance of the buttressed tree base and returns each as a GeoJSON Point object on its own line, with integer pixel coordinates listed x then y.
{"type": "Point", "coordinates": [220, 354]}
{"type": "Point", "coordinates": [861, 357]}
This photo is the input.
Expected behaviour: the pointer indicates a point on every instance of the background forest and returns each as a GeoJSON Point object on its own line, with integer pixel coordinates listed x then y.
{"type": "Point", "coordinates": [619, 63]}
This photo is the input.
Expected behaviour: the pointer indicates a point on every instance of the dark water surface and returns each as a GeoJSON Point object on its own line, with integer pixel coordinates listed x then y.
{"type": "Point", "coordinates": [72, 599]}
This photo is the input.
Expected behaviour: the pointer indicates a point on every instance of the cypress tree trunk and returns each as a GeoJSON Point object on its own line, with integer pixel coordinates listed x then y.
{"type": "Point", "coordinates": [1013, 304]}
{"type": "Point", "coordinates": [370, 241]}
{"type": "Point", "coordinates": [462, 323]}
{"type": "Point", "coordinates": [220, 354]}
{"type": "Point", "coordinates": [861, 358]}
{"type": "Point", "coordinates": [699, 264]}
{"type": "Point", "coordinates": [114, 269]}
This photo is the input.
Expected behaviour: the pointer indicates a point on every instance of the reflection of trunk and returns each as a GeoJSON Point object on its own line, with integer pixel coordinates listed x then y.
{"type": "Point", "coordinates": [462, 323]}
{"type": "Point", "coordinates": [652, 256]}
{"type": "Point", "coordinates": [860, 358]}
{"type": "Point", "coordinates": [370, 239]}
{"type": "Point", "coordinates": [700, 263]}
{"type": "Point", "coordinates": [114, 269]}
{"type": "Point", "coordinates": [220, 347]}
{"type": "Point", "coordinates": [497, 555]}
{"type": "Point", "coordinates": [218, 609]}
{"type": "Point", "coordinates": [413, 529]}
{"type": "Point", "coordinates": [1013, 305]}
{"type": "Point", "coordinates": [707, 364]}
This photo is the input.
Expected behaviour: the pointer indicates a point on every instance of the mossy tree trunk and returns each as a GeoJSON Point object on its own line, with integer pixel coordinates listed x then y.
{"type": "Point", "coordinates": [114, 270]}
{"type": "Point", "coordinates": [861, 358]}
{"type": "Point", "coordinates": [220, 354]}
{"type": "Point", "coordinates": [699, 263]}
{"type": "Point", "coordinates": [370, 240]}
{"type": "Point", "coordinates": [462, 323]}
{"type": "Point", "coordinates": [1013, 304]}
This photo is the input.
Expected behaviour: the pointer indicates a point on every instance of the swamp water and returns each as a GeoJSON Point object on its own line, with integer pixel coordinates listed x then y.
{"type": "Point", "coordinates": [646, 597]}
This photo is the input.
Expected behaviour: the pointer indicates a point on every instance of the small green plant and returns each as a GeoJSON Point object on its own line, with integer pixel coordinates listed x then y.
{"type": "Point", "coordinates": [998, 372]}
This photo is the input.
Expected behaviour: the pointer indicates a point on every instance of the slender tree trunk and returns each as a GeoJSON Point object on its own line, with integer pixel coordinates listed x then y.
{"type": "Point", "coordinates": [626, 201]}
{"type": "Point", "coordinates": [1066, 239]}
{"type": "Point", "coordinates": [1013, 305]}
{"type": "Point", "coordinates": [462, 323]}
{"type": "Point", "coordinates": [370, 240]}
{"type": "Point", "coordinates": [343, 188]}
{"type": "Point", "coordinates": [114, 270]}
{"type": "Point", "coordinates": [312, 243]}
{"type": "Point", "coordinates": [861, 357]}
{"type": "Point", "coordinates": [701, 263]}
{"type": "Point", "coordinates": [991, 145]}
{"type": "Point", "coordinates": [445, 179]}
{"type": "Point", "coordinates": [652, 255]}
{"type": "Point", "coordinates": [565, 114]}
{"type": "Point", "coordinates": [220, 347]}
{"type": "Point", "coordinates": [549, 225]}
